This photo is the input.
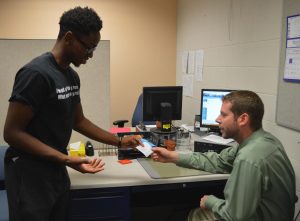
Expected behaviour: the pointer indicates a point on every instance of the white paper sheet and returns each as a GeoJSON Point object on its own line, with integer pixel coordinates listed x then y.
{"type": "Point", "coordinates": [188, 83]}
{"type": "Point", "coordinates": [292, 52]}
{"type": "Point", "coordinates": [292, 64]}
{"type": "Point", "coordinates": [199, 65]}
{"type": "Point", "coordinates": [191, 62]}
{"type": "Point", "coordinates": [217, 139]}
{"type": "Point", "coordinates": [184, 61]}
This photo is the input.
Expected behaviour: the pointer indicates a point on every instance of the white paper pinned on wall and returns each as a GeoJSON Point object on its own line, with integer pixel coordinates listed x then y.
{"type": "Point", "coordinates": [187, 83]}
{"type": "Point", "coordinates": [191, 62]}
{"type": "Point", "coordinates": [184, 61]}
{"type": "Point", "coordinates": [199, 65]}
{"type": "Point", "coordinates": [292, 52]}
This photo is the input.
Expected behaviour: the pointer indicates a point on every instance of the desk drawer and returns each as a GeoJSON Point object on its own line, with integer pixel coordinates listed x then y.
{"type": "Point", "coordinates": [177, 186]}
{"type": "Point", "coordinates": [100, 204]}
{"type": "Point", "coordinates": [175, 193]}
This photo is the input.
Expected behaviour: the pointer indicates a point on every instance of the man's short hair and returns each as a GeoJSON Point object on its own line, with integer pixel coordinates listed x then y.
{"type": "Point", "coordinates": [244, 101]}
{"type": "Point", "coordinates": [81, 21]}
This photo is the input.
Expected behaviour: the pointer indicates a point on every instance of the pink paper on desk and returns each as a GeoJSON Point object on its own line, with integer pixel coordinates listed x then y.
{"type": "Point", "coordinates": [115, 130]}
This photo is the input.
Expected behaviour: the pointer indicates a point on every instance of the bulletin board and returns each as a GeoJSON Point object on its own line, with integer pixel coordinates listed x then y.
{"type": "Point", "coordinates": [94, 75]}
{"type": "Point", "coordinates": [288, 98]}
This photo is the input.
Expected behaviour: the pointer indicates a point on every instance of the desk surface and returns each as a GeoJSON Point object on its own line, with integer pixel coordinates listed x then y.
{"type": "Point", "coordinates": [133, 174]}
{"type": "Point", "coordinates": [130, 189]}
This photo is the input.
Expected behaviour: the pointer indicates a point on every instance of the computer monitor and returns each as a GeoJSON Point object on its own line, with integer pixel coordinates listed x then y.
{"type": "Point", "coordinates": [162, 103]}
{"type": "Point", "coordinates": [211, 102]}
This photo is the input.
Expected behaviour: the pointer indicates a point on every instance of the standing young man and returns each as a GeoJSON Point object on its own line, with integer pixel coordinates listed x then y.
{"type": "Point", "coordinates": [262, 181]}
{"type": "Point", "coordinates": [44, 108]}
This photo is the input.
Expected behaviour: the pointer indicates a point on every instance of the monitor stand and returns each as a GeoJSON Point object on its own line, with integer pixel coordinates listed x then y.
{"type": "Point", "coordinates": [159, 131]}
{"type": "Point", "coordinates": [160, 136]}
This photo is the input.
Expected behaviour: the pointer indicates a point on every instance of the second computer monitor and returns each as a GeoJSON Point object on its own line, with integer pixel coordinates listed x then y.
{"type": "Point", "coordinates": [162, 103]}
{"type": "Point", "coordinates": [211, 102]}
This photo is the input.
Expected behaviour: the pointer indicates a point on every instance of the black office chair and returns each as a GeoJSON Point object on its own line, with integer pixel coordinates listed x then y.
{"type": "Point", "coordinates": [120, 123]}
{"type": "Point", "coordinates": [298, 213]}
{"type": "Point", "coordinates": [297, 216]}
{"type": "Point", "coordinates": [3, 196]}
{"type": "Point", "coordinates": [137, 117]}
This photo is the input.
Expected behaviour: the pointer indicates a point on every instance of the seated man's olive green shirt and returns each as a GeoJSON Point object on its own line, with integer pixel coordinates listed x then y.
{"type": "Point", "coordinates": [261, 186]}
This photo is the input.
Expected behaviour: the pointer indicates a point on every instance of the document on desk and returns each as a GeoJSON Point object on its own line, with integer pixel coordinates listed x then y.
{"type": "Point", "coordinates": [217, 139]}
{"type": "Point", "coordinates": [188, 128]}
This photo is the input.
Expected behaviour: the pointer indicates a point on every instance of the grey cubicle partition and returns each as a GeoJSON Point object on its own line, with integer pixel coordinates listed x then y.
{"type": "Point", "coordinates": [288, 98]}
{"type": "Point", "coordinates": [95, 80]}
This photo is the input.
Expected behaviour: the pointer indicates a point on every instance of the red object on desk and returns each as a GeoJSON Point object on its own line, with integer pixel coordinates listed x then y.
{"type": "Point", "coordinates": [125, 161]}
{"type": "Point", "coordinates": [115, 130]}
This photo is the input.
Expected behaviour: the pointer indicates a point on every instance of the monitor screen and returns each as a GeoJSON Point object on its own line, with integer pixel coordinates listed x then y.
{"type": "Point", "coordinates": [211, 102]}
{"type": "Point", "coordinates": [153, 97]}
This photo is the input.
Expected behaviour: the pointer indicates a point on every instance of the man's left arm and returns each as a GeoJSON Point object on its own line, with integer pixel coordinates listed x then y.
{"type": "Point", "coordinates": [92, 131]}
{"type": "Point", "coordinates": [242, 194]}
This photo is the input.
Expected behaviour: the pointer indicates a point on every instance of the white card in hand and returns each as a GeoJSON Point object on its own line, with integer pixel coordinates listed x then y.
{"type": "Point", "coordinates": [146, 149]}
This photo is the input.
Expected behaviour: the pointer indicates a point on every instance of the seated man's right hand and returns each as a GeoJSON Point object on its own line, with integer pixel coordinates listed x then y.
{"type": "Point", "coordinates": [163, 155]}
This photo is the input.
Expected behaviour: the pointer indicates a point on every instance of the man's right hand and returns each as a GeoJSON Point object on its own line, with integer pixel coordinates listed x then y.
{"type": "Point", "coordinates": [85, 165]}
{"type": "Point", "coordinates": [163, 155]}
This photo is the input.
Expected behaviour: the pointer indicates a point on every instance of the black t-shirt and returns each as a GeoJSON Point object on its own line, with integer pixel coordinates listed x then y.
{"type": "Point", "coordinates": [53, 94]}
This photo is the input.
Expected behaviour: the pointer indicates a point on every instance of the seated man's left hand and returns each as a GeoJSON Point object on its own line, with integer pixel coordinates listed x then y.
{"type": "Point", "coordinates": [202, 202]}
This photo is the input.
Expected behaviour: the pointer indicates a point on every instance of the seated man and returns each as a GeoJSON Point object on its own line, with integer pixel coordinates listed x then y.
{"type": "Point", "coordinates": [262, 181]}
